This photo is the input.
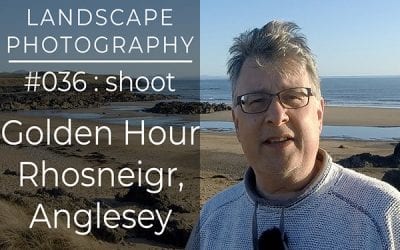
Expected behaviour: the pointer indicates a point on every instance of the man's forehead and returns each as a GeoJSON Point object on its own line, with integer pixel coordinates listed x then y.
{"type": "Point", "coordinates": [284, 68]}
{"type": "Point", "coordinates": [271, 76]}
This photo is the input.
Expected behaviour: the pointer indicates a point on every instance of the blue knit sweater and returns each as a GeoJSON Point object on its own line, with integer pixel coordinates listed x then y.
{"type": "Point", "coordinates": [340, 209]}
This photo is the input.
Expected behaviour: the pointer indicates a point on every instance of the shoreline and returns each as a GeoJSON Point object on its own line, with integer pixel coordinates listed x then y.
{"type": "Point", "coordinates": [339, 116]}
{"type": "Point", "coordinates": [340, 123]}
{"type": "Point", "coordinates": [334, 116]}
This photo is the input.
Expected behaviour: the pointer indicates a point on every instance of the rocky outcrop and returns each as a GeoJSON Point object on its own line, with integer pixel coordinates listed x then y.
{"type": "Point", "coordinates": [71, 100]}
{"type": "Point", "coordinates": [392, 177]}
{"type": "Point", "coordinates": [187, 108]}
{"type": "Point", "coordinates": [369, 160]}
{"type": "Point", "coordinates": [396, 155]}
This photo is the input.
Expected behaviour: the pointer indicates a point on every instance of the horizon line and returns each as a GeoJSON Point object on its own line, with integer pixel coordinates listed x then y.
{"type": "Point", "coordinates": [222, 77]}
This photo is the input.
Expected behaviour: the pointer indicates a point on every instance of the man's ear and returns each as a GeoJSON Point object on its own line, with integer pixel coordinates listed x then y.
{"type": "Point", "coordinates": [320, 113]}
{"type": "Point", "coordinates": [236, 123]}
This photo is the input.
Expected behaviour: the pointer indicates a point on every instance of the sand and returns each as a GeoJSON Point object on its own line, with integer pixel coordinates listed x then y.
{"type": "Point", "coordinates": [221, 159]}
{"type": "Point", "coordinates": [233, 165]}
{"type": "Point", "coordinates": [344, 116]}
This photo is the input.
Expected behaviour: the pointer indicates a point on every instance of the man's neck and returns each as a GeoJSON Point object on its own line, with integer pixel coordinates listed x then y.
{"type": "Point", "coordinates": [278, 187]}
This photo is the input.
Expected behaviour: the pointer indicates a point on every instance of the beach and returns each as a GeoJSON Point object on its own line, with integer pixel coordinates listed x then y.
{"type": "Point", "coordinates": [221, 162]}
{"type": "Point", "coordinates": [221, 154]}
{"type": "Point", "coordinates": [343, 116]}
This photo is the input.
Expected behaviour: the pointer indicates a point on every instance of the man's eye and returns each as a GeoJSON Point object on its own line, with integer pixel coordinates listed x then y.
{"type": "Point", "coordinates": [293, 97]}
{"type": "Point", "coordinates": [256, 100]}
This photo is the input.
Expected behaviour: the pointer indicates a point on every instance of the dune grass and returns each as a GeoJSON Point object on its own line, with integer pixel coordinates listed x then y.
{"type": "Point", "coordinates": [15, 233]}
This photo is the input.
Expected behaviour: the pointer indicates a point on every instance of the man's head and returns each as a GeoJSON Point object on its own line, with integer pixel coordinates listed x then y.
{"type": "Point", "coordinates": [279, 133]}
{"type": "Point", "coordinates": [276, 42]}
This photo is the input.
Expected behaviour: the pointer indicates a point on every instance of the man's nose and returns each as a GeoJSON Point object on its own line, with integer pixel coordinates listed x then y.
{"type": "Point", "coordinates": [276, 113]}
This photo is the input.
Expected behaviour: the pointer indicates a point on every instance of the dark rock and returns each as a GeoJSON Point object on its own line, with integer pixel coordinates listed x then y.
{"type": "Point", "coordinates": [53, 192]}
{"type": "Point", "coordinates": [392, 177]}
{"type": "Point", "coordinates": [363, 160]}
{"type": "Point", "coordinates": [396, 154]}
{"type": "Point", "coordinates": [369, 160]}
{"type": "Point", "coordinates": [219, 176]}
{"type": "Point", "coordinates": [187, 108]}
{"type": "Point", "coordinates": [9, 172]}
{"type": "Point", "coordinates": [16, 98]}
{"type": "Point", "coordinates": [140, 195]}
{"type": "Point", "coordinates": [96, 156]}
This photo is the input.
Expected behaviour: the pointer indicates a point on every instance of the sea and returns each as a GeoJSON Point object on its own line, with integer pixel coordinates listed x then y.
{"type": "Point", "coordinates": [349, 91]}
{"type": "Point", "coordinates": [355, 91]}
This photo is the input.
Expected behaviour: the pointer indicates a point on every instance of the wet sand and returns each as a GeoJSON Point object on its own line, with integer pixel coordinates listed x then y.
{"type": "Point", "coordinates": [344, 116]}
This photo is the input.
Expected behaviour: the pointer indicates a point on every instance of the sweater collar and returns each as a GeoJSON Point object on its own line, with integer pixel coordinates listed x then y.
{"type": "Point", "coordinates": [319, 179]}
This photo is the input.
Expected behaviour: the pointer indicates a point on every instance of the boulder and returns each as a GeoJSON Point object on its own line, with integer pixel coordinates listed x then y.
{"type": "Point", "coordinates": [14, 101]}
{"type": "Point", "coordinates": [396, 154]}
{"type": "Point", "coordinates": [186, 108]}
{"type": "Point", "coordinates": [392, 177]}
{"type": "Point", "coordinates": [369, 160]}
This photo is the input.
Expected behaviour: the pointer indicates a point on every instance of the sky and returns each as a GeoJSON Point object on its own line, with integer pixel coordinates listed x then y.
{"type": "Point", "coordinates": [348, 38]}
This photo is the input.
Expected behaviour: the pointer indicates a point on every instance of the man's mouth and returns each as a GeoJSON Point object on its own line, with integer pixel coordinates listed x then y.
{"type": "Point", "coordinates": [276, 140]}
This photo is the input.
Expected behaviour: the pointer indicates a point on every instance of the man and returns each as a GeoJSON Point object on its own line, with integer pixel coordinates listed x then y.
{"type": "Point", "coordinates": [293, 196]}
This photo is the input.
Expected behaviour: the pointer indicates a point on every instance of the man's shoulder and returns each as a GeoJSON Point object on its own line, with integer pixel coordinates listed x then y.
{"type": "Point", "coordinates": [359, 188]}
{"type": "Point", "coordinates": [374, 199]}
{"type": "Point", "coordinates": [224, 199]}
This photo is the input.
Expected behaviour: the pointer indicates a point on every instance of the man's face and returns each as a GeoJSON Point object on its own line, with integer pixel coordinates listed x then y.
{"type": "Point", "coordinates": [278, 141]}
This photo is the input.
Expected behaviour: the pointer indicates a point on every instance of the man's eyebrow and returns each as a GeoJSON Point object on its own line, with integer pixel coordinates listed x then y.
{"type": "Point", "coordinates": [256, 92]}
{"type": "Point", "coordinates": [261, 90]}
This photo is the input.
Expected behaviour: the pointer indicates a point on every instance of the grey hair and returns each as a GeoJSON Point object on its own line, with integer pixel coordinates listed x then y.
{"type": "Point", "coordinates": [277, 41]}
